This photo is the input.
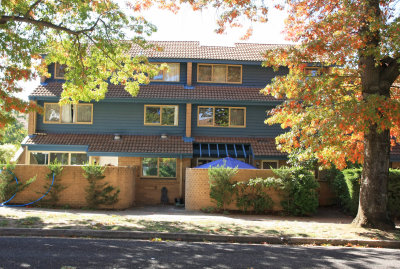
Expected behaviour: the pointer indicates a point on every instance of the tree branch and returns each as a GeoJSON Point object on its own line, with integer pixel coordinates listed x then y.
{"type": "Point", "coordinates": [33, 6]}
{"type": "Point", "coordinates": [5, 19]}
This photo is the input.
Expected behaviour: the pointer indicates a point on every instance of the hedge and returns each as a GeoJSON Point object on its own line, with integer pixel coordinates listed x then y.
{"type": "Point", "coordinates": [346, 184]}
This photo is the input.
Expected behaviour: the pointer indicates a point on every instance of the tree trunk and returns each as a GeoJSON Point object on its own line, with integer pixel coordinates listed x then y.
{"type": "Point", "coordinates": [374, 181]}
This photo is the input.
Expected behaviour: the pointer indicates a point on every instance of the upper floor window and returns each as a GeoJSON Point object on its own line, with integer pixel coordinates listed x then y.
{"type": "Point", "coordinates": [70, 113]}
{"type": "Point", "coordinates": [209, 116]}
{"type": "Point", "coordinates": [164, 115]}
{"type": "Point", "coordinates": [219, 73]}
{"type": "Point", "coordinates": [59, 70]}
{"type": "Point", "coordinates": [171, 75]}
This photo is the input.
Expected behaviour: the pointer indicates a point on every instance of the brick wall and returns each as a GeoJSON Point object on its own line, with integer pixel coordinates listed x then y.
{"type": "Point", "coordinates": [72, 177]}
{"type": "Point", "coordinates": [197, 190]}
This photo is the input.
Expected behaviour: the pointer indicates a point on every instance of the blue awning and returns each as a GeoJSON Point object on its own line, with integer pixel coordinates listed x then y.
{"type": "Point", "coordinates": [227, 162]}
{"type": "Point", "coordinates": [220, 150]}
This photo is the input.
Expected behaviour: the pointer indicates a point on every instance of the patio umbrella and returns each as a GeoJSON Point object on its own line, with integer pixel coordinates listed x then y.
{"type": "Point", "coordinates": [227, 162]}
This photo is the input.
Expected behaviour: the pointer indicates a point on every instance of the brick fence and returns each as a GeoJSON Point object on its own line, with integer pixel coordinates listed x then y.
{"type": "Point", "coordinates": [72, 177]}
{"type": "Point", "coordinates": [197, 191]}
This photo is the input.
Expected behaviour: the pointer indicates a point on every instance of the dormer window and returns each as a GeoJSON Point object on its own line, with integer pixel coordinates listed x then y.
{"type": "Point", "coordinates": [219, 73]}
{"type": "Point", "coordinates": [171, 75]}
{"type": "Point", "coordinates": [59, 70]}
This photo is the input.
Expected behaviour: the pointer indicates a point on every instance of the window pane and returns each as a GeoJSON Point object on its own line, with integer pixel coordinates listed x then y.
{"type": "Point", "coordinates": [167, 167]}
{"type": "Point", "coordinates": [221, 116]}
{"type": "Point", "coordinates": [205, 72]}
{"type": "Point", "coordinates": [206, 116]}
{"type": "Point", "coordinates": [39, 158]}
{"type": "Point", "coordinates": [59, 157]}
{"type": "Point", "coordinates": [152, 114]}
{"type": "Point", "coordinates": [168, 116]}
{"type": "Point", "coordinates": [311, 72]}
{"type": "Point", "coordinates": [237, 117]}
{"type": "Point", "coordinates": [149, 167]}
{"type": "Point", "coordinates": [79, 158]}
{"type": "Point", "coordinates": [269, 165]}
{"type": "Point", "coordinates": [173, 73]}
{"type": "Point", "coordinates": [160, 76]}
{"type": "Point", "coordinates": [60, 70]}
{"type": "Point", "coordinates": [52, 112]}
{"type": "Point", "coordinates": [234, 73]}
{"type": "Point", "coordinates": [219, 73]}
{"type": "Point", "coordinates": [67, 113]}
{"type": "Point", "coordinates": [84, 113]}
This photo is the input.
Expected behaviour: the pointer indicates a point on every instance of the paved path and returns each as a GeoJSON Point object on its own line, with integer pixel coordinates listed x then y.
{"type": "Point", "coordinates": [17, 252]}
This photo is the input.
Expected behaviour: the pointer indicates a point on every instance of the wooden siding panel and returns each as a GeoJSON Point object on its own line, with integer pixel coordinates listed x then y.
{"type": "Point", "coordinates": [122, 118]}
{"type": "Point", "coordinates": [255, 126]}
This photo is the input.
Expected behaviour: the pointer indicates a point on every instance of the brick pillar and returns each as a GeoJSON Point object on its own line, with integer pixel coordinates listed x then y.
{"type": "Point", "coordinates": [188, 120]}
{"type": "Point", "coordinates": [189, 73]}
{"type": "Point", "coordinates": [32, 122]}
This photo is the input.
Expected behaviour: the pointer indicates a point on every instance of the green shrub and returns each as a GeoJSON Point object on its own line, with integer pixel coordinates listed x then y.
{"type": "Point", "coordinates": [347, 188]}
{"type": "Point", "coordinates": [299, 188]}
{"type": "Point", "coordinates": [53, 196]}
{"type": "Point", "coordinates": [7, 151]}
{"type": "Point", "coordinates": [221, 187]}
{"type": "Point", "coordinates": [8, 184]}
{"type": "Point", "coordinates": [252, 195]}
{"type": "Point", "coordinates": [98, 193]}
{"type": "Point", "coordinates": [394, 193]}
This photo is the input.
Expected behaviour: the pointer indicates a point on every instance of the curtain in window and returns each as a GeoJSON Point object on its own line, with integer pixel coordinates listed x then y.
{"type": "Point", "coordinates": [173, 73]}
{"type": "Point", "coordinates": [237, 117]}
{"type": "Point", "coordinates": [52, 112]}
{"type": "Point", "coordinates": [219, 73]}
{"type": "Point", "coordinates": [84, 113]}
{"type": "Point", "coordinates": [67, 113]}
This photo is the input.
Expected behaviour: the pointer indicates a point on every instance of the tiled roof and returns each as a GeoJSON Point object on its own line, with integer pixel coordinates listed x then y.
{"type": "Point", "coordinates": [106, 143]}
{"type": "Point", "coordinates": [260, 146]}
{"type": "Point", "coordinates": [193, 50]}
{"type": "Point", "coordinates": [175, 92]}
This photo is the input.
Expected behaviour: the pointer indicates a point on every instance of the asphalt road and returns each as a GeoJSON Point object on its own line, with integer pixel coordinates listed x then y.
{"type": "Point", "coordinates": [26, 252]}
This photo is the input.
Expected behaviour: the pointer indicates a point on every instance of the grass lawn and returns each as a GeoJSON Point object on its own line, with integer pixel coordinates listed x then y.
{"type": "Point", "coordinates": [199, 223]}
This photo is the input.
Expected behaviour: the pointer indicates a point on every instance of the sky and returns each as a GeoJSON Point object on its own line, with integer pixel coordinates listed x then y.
{"type": "Point", "coordinates": [189, 25]}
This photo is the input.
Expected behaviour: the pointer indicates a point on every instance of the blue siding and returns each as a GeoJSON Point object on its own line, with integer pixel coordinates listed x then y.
{"type": "Point", "coordinates": [255, 126]}
{"type": "Point", "coordinates": [110, 118]}
{"type": "Point", "coordinates": [252, 76]}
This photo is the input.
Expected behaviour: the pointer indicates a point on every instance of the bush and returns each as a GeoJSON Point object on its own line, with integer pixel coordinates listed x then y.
{"type": "Point", "coordinates": [221, 187]}
{"type": "Point", "coordinates": [299, 187]}
{"type": "Point", "coordinates": [7, 151]}
{"type": "Point", "coordinates": [53, 196]}
{"type": "Point", "coordinates": [252, 194]}
{"type": "Point", "coordinates": [8, 184]}
{"type": "Point", "coordinates": [347, 187]}
{"type": "Point", "coordinates": [393, 205]}
{"type": "Point", "coordinates": [98, 193]}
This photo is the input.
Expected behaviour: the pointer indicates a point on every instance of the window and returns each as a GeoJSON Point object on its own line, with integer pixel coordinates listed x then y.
{"type": "Point", "coordinates": [159, 167]}
{"type": "Point", "coordinates": [161, 115]}
{"type": "Point", "coordinates": [59, 70]}
{"type": "Point", "coordinates": [270, 164]}
{"type": "Point", "coordinates": [65, 158]}
{"type": "Point", "coordinates": [221, 116]}
{"type": "Point", "coordinates": [312, 71]}
{"type": "Point", "coordinates": [171, 75]}
{"type": "Point", "coordinates": [70, 113]}
{"type": "Point", "coordinates": [219, 73]}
